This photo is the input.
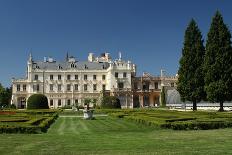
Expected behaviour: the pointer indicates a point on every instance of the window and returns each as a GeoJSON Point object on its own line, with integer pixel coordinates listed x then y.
{"type": "Point", "coordinates": [59, 77]}
{"type": "Point", "coordinates": [146, 86]}
{"type": "Point", "coordinates": [73, 65]}
{"type": "Point", "coordinates": [59, 102]}
{"type": "Point", "coordinates": [51, 77]}
{"type": "Point", "coordinates": [34, 88]}
{"type": "Point", "coordinates": [18, 87]}
{"type": "Point", "coordinates": [59, 87]}
{"type": "Point", "coordinates": [76, 77]}
{"type": "Point", "coordinates": [94, 87]}
{"type": "Point", "coordinates": [36, 77]}
{"type": "Point", "coordinates": [135, 85]}
{"type": "Point", "coordinates": [103, 87]}
{"type": "Point", "coordinates": [76, 101]}
{"type": "Point", "coordinates": [85, 77]}
{"type": "Point", "coordinates": [68, 102]}
{"type": "Point", "coordinates": [37, 87]}
{"type": "Point", "coordinates": [76, 86]}
{"type": "Point", "coordinates": [156, 85]}
{"type": "Point", "coordinates": [85, 87]}
{"type": "Point", "coordinates": [68, 77]}
{"type": "Point", "coordinates": [51, 87]}
{"type": "Point", "coordinates": [172, 84]}
{"type": "Point", "coordinates": [116, 74]}
{"type": "Point", "coordinates": [24, 87]}
{"type": "Point", "coordinates": [51, 102]}
{"type": "Point", "coordinates": [124, 74]}
{"type": "Point", "coordinates": [68, 87]}
{"type": "Point", "coordinates": [59, 67]}
{"type": "Point", "coordinates": [94, 77]}
{"type": "Point", "coordinates": [103, 77]}
{"type": "Point", "coordinates": [120, 85]}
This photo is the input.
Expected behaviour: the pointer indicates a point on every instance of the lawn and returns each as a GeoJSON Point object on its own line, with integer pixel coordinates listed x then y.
{"type": "Point", "coordinates": [107, 135]}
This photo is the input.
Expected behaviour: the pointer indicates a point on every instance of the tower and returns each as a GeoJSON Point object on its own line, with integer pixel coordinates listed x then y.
{"type": "Point", "coordinates": [29, 67]}
{"type": "Point", "coordinates": [67, 57]}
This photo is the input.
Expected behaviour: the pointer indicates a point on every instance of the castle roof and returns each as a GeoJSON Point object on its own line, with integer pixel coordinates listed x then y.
{"type": "Point", "coordinates": [82, 65]}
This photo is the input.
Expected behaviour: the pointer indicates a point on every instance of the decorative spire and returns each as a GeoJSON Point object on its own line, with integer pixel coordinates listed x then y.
{"type": "Point", "coordinates": [67, 57]}
{"type": "Point", "coordinates": [120, 56]}
{"type": "Point", "coordinates": [162, 73]}
{"type": "Point", "coordinates": [30, 57]}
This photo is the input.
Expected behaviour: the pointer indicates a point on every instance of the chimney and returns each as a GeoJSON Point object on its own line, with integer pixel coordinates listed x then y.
{"type": "Point", "coordinates": [91, 57]}
{"type": "Point", "coordinates": [107, 56]}
{"type": "Point", "coordinates": [120, 56]}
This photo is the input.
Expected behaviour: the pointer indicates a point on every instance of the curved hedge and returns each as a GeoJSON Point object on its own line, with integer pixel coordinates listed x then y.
{"type": "Point", "coordinates": [37, 101]}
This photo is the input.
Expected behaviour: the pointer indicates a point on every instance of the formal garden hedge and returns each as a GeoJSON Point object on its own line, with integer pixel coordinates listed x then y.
{"type": "Point", "coordinates": [176, 120]}
{"type": "Point", "coordinates": [37, 101]}
{"type": "Point", "coordinates": [31, 121]}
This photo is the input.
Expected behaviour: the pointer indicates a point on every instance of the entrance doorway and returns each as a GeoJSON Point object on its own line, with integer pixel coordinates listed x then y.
{"type": "Point", "coordinates": [136, 103]}
{"type": "Point", "coordinates": [21, 103]}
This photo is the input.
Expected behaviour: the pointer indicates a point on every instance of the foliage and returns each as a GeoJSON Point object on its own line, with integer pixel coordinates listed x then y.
{"type": "Point", "coordinates": [175, 119]}
{"type": "Point", "coordinates": [5, 96]}
{"type": "Point", "coordinates": [37, 101]}
{"type": "Point", "coordinates": [163, 97]}
{"type": "Point", "coordinates": [66, 107]}
{"type": "Point", "coordinates": [110, 102]}
{"type": "Point", "coordinates": [218, 62]}
{"type": "Point", "coordinates": [87, 101]}
{"type": "Point", "coordinates": [190, 84]}
{"type": "Point", "coordinates": [26, 121]}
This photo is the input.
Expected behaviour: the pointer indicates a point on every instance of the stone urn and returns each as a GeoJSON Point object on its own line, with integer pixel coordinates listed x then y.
{"type": "Point", "coordinates": [88, 113]}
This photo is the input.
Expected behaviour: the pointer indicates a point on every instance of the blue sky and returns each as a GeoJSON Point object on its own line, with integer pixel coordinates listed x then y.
{"type": "Point", "coordinates": [148, 32]}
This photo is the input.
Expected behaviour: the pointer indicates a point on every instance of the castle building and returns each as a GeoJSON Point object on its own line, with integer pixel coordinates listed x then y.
{"type": "Point", "coordinates": [70, 82]}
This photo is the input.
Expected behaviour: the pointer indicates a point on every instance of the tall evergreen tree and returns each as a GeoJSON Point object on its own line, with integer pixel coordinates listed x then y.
{"type": "Point", "coordinates": [190, 81]}
{"type": "Point", "coordinates": [218, 62]}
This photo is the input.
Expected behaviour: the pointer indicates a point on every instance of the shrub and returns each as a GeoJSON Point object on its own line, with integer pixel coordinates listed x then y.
{"type": "Point", "coordinates": [12, 106]}
{"type": "Point", "coordinates": [37, 101]}
{"type": "Point", "coordinates": [110, 102]}
{"type": "Point", "coordinates": [66, 107]}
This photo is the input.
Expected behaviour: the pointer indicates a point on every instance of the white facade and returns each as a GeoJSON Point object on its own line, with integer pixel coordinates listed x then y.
{"type": "Point", "coordinates": [70, 82]}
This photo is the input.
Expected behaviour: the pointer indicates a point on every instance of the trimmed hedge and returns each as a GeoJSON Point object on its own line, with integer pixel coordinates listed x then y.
{"type": "Point", "coordinates": [36, 122]}
{"type": "Point", "coordinates": [37, 101]}
{"type": "Point", "coordinates": [176, 120]}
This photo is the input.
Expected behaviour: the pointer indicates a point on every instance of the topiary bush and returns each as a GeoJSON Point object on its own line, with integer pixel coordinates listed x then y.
{"type": "Point", "coordinates": [37, 101]}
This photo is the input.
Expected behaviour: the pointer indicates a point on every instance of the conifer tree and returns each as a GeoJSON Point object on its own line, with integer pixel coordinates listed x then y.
{"type": "Point", "coordinates": [163, 97]}
{"type": "Point", "coordinates": [190, 75]}
{"type": "Point", "coordinates": [218, 62]}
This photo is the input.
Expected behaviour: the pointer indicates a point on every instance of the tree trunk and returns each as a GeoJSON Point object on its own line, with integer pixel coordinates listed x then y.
{"type": "Point", "coordinates": [194, 106]}
{"type": "Point", "coordinates": [221, 106]}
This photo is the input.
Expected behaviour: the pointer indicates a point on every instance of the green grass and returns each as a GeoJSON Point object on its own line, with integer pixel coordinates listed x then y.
{"type": "Point", "coordinates": [106, 135]}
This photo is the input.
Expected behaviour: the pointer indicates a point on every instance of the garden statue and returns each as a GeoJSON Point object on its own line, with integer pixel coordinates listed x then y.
{"type": "Point", "coordinates": [88, 113]}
